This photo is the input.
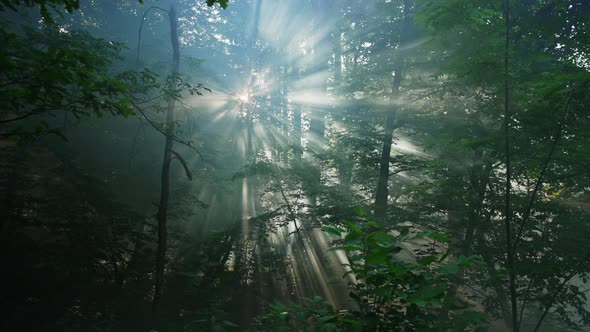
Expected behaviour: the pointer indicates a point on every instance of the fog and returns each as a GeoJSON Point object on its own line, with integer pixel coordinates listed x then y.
{"type": "Point", "coordinates": [310, 165]}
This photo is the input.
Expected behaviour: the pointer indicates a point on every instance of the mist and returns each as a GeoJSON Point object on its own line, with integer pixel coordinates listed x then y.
{"type": "Point", "coordinates": [309, 165]}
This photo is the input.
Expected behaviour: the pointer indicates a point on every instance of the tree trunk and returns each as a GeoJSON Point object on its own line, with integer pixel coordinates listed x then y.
{"type": "Point", "coordinates": [297, 150]}
{"type": "Point", "coordinates": [382, 189]}
{"type": "Point", "coordinates": [507, 209]}
{"type": "Point", "coordinates": [321, 66]}
{"type": "Point", "coordinates": [9, 164]}
{"type": "Point", "coordinates": [497, 285]}
{"type": "Point", "coordinates": [165, 180]}
{"type": "Point", "coordinates": [344, 161]}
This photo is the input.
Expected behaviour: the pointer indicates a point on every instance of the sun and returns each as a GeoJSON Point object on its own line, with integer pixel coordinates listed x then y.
{"type": "Point", "coordinates": [244, 98]}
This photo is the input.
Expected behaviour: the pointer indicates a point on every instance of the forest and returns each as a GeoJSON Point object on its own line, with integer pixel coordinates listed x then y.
{"type": "Point", "coordinates": [294, 165]}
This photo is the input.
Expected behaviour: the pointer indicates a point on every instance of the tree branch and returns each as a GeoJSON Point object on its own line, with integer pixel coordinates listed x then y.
{"type": "Point", "coordinates": [19, 117]}
{"type": "Point", "coordinates": [184, 164]}
{"type": "Point", "coordinates": [289, 207]}
{"type": "Point", "coordinates": [529, 208]}
{"type": "Point", "coordinates": [554, 295]}
{"type": "Point", "coordinates": [156, 127]}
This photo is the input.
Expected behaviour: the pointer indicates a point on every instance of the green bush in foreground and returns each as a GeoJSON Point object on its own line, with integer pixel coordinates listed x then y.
{"type": "Point", "coordinates": [392, 293]}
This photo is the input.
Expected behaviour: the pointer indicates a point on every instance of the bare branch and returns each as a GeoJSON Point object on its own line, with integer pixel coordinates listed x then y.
{"type": "Point", "coordinates": [18, 117]}
{"type": "Point", "coordinates": [156, 127]}
{"type": "Point", "coordinates": [184, 164]}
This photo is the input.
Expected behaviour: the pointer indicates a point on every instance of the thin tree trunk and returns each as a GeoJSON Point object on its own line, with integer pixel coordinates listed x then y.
{"type": "Point", "coordinates": [501, 296]}
{"type": "Point", "coordinates": [9, 164]}
{"type": "Point", "coordinates": [321, 56]}
{"type": "Point", "coordinates": [165, 180]}
{"type": "Point", "coordinates": [344, 160]}
{"type": "Point", "coordinates": [297, 150]}
{"type": "Point", "coordinates": [295, 109]}
{"type": "Point", "coordinates": [382, 193]}
{"type": "Point", "coordinates": [507, 209]}
{"type": "Point", "coordinates": [382, 189]}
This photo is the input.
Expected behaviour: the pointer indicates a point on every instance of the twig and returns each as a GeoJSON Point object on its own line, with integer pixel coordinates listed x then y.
{"type": "Point", "coordinates": [150, 99]}
{"type": "Point", "coordinates": [19, 117]}
{"type": "Point", "coordinates": [173, 137]}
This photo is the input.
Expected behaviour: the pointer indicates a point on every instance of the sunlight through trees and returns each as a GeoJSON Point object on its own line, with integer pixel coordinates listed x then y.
{"type": "Point", "coordinates": [295, 165]}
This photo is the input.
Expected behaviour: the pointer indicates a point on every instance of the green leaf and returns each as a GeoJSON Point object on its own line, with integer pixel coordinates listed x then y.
{"type": "Point", "coordinates": [420, 303]}
{"type": "Point", "coordinates": [228, 324]}
{"type": "Point", "coordinates": [440, 237]}
{"type": "Point", "coordinates": [333, 230]}
{"type": "Point", "coordinates": [346, 248]}
{"type": "Point", "coordinates": [325, 319]}
{"type": "Point", "coordinates": [381, 239]}
{"type": "Point", "coordinates": [353, 228]}
{"type": "Point", "coordinates": [373, 224]}
{"type": "Point", "coordinates": [360, 212]}
{"type": "Point", "coordinates": [427, 260]}
{"type": "Point", "coordinates": [450, 269]}
{"type": "Point", "coordinates": [377, 257]}
{"type": "Point", "coordinates": [383, 291]}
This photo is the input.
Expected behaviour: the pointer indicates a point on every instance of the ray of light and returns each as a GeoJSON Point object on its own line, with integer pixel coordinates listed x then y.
{"type": "Point", "coordinates": [404, 145]}
{"type": "Point", "coordinates": [246, 96]}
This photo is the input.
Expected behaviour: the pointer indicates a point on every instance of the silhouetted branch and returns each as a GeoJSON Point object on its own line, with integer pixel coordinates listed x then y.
{"type": "Point", "coordinates": [24, 116]}
{"type": "Point", "coordinates": [529, 208]}
{"type": "Point", "coordinates": [156, 127]}
{"type": "Point", "coordinates": [184, 164]}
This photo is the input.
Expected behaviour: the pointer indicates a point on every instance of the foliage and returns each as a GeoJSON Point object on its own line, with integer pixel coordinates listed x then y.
{"type": "Point", "coordinates": [65, 73]}
{"type": "Point", "coordinates": [46, 6]}
{"type": "Point", "coordinates": [446, 169]}
{"type": "Point", "coordinates": [222, 3]}
{"type": "Point", "coordinates": [69, 75]}
{"type": "Point", "coordinates": [313, 315]}
{"type": "Point", "coordinates": [93, 250]}
{"type": "Point", "coordinates": [546, 78]}
{"type": "Point", "coordinates": [388, 288]}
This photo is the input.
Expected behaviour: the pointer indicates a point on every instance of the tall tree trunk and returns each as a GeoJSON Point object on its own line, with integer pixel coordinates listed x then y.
{"type": "Point", "coordinates": [380, 208]}
{"type": "Point", "coordinates": [9, 165]}
{"type": "Point", "coordinates": [322, 55]}
{"type": "Point", "coordinates": [296, 141]}
{"type": "Point", "coordinates": [165, 180]}
{"type": "Point", "coordinates": [455, 208]}
{"type": "Point", "coordinates": [344, 161]}
{"type": "Point", "coordinates": [497, 285]}
{"type": "Point", "coordinates": [507, 209]}
{"type": "Point", "coordinates": [382, 189]}
{"type": "Point", "coordinates": [247, 244]}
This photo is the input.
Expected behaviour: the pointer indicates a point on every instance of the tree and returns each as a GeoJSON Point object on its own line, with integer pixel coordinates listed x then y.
{"type": "Point", "coordinates": [507, 101]}
{"type": "Point", "coordinates": [47, 73]}
{"type": "Point", "coordinates": [461, 124]}
{"type": "Point", "coordinates": [169, 155]}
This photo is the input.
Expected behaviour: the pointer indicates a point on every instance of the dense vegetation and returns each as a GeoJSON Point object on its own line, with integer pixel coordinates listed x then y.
{"type": "Point", "coordinates": [295, 165]}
